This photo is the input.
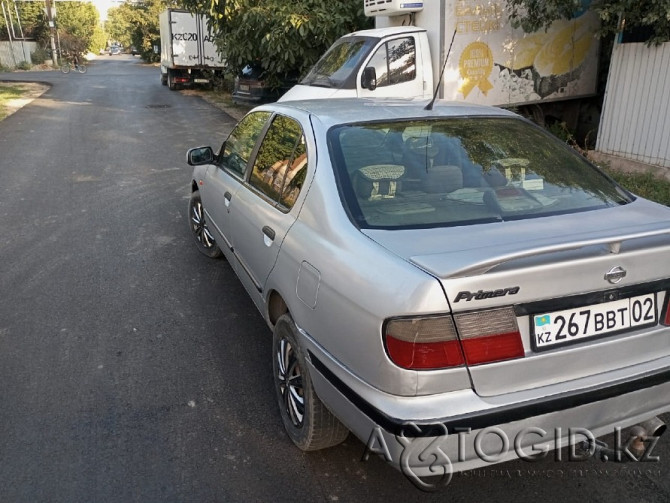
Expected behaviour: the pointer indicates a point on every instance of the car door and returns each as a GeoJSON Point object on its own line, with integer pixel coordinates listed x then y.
{"type": "Point", "coordinates": [395, 66]}
{"type": "Point", "coordinates": [265, 205]}
{"type": "Point", "coordinates": [222, 180]}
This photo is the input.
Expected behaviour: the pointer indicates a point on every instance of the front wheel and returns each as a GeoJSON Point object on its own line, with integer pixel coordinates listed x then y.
{"type": "Point", "coordinates": [198, 224]}
{"type": "Point", "coordinates": [309, 424]}
{"type": "Point", "coordinates": [65, 68]}
{"type": "Point", "coordinates": [81, 68]}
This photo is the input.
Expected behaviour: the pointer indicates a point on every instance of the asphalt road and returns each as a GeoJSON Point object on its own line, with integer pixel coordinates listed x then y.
{"type": "Point", "coordinates": [132, 368]}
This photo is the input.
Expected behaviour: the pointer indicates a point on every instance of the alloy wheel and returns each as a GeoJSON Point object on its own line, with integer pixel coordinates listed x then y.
{"type": "Point", "coordinates": [290, 383]}
{"type": "Point", "coordinates": [199, 226]}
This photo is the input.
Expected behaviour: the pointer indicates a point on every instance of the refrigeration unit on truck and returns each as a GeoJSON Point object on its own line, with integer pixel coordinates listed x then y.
{"type": "Point", "coordinates": [188, 53]}
{"type": "Point", "coordinates": [489, 63]}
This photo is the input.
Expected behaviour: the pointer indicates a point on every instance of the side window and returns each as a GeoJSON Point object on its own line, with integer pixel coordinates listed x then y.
{"type": "Point", "coordinates": [295, 176]}
{"type": "Point", "coordinates": [395, 62]}
{"type": "Point", "coordinates": [241, 142]}
{"type": "Point", "coordinates": [281, 162]}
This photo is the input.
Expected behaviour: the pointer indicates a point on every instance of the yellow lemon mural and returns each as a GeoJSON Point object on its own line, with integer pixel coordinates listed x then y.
{"type": "Point", "coordinates": [525, 51]}
{"type": "Point", "coordinates": [561, 57]}
{"type": "Point", "coordinates": [566, 50]}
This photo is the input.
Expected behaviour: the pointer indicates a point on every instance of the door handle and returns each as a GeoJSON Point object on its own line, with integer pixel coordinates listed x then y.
{"type": "Point", "coordinates": [269, 232]}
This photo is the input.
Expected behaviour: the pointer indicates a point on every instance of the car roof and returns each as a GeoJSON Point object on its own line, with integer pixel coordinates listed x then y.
{"type": "Point", "coordinates": [385, 32]}
{"type": "Point", "coordinates": [349, 110]}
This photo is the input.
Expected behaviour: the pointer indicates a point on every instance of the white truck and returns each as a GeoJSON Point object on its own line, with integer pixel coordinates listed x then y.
{"type": "Point", "coordinates": [489, 62]}
{"type": "Point", "coordinates": [188, 53]}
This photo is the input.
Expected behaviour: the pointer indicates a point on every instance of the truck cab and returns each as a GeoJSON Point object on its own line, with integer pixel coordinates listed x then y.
{"type": "Point", "coordinates": [383, 62]}
{"type": "Point", "coordinates": [465, 52]}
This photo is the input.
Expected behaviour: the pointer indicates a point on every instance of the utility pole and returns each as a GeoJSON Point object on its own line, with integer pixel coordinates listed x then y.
{"type": "Point", "coordinates": [52, 28]}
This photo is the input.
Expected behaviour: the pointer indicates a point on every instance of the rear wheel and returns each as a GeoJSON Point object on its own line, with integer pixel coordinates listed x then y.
{"type": "Point", "coordinates": [81, 68]}
{"type": "Point", "coordinates": [170, 81]}
{"type": "Point", "coordinates": [198, 224]}
{"type": "Point", "coordinates": [65, 68]}
{"type": "Point", "coordinates": [309, 424]}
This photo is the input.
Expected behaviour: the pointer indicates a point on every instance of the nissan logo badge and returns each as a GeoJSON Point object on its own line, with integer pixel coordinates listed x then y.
{"type": "Point", "coordinates": [615, 274]}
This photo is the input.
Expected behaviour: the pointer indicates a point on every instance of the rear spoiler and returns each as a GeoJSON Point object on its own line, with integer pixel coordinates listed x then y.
{"type": "Point", "coordinates": [479, 260]}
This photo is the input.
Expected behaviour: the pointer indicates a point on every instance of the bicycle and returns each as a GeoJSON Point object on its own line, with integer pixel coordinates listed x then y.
{"type": "Point", "coordinates": [67, 66]}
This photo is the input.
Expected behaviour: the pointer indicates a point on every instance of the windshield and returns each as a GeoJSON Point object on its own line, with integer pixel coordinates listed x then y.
{"type": "Point", "coordinates": [433, 173]}
{"type": "Point", "coordinates": [338, 67]}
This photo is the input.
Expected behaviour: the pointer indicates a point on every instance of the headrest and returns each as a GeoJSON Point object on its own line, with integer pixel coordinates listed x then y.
{"type": "Point", "coordinates": [377, 181]}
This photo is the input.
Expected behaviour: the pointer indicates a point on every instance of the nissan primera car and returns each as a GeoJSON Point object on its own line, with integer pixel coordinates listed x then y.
{"type": "Point", "coordinates": [454, 286]}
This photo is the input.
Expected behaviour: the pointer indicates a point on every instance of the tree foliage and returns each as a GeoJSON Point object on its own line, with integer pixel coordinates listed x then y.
{"type": "Point", "coordinates": [76, 23]}
{"type": "Point", "coordinates": [284, 36]}
{"type": "Point", "coordinates": [32, 21]}
{"type": "Point", "coordinates": [137, 24]}
{"type": "Point", "coordinates": [119, 24]}
{"type": "Point", "coordinates": [651, 15]}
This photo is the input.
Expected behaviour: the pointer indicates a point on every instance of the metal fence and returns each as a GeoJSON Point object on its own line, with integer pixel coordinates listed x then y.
{"type": "Point", "coordinates": [635, 123]}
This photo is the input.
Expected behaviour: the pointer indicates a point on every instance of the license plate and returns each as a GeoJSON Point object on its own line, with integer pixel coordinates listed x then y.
{"type": "Point", "coordinates": [564, 327]}
{"type": "Point", "coordinates": [201, 81]}
{"type": "Point", "coordinates": [244, 87]}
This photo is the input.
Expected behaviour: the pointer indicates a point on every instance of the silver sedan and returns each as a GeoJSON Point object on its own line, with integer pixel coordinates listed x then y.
{"type": "Point", "coordinates": [454, 286]}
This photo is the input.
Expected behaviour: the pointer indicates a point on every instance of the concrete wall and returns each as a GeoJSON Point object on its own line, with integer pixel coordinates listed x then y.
{"type": "Point", "coordinates": [635, 122]}
{"type": "Point", "coordinates": [13, 53]}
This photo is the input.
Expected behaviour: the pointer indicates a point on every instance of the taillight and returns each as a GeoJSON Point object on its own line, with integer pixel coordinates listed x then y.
{"type": "Point", "coordinates": [489, 336]}
{"type": "Point", "coordinates": [666, 318]}
{"type": "Point", "coordinates": [433, 342]}
{"type": "Point", "coordinates": [423, 343]}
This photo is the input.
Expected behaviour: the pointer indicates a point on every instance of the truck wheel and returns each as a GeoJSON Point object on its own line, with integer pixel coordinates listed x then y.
{"type": "Point", "coordinates": [164, 79]}
{"type": "Point", "coordinates": [309, 424]}
{"type": "Point", "coordinates": [170, 81]}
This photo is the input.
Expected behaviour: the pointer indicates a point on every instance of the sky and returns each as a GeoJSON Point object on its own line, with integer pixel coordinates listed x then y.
{"type": "Point", "coordinates": [103, 5]}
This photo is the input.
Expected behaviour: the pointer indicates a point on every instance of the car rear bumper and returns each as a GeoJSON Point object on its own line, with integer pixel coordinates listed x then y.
{"type": "Point", "coordinates": [410, 435]}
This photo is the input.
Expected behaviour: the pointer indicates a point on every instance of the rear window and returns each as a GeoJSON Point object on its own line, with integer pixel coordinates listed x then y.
{"type": "Point", "coordinates": [421, 174]}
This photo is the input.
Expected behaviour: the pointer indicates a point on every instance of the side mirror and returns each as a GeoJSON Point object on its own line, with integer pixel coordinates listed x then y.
{"type": "Point", "coordinates": [200, 155]}
{"type": "Point", "coordinates": [369, 78]}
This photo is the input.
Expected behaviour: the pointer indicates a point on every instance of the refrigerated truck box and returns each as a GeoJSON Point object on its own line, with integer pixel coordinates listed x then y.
{"type": "Point", "coordinates": [188, 53]}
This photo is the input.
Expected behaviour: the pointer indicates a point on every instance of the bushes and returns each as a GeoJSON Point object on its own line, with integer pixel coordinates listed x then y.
{"type": "Point", "coordinates": [39, 56]}
{"type": "Point", "coordinates": [24, 65]}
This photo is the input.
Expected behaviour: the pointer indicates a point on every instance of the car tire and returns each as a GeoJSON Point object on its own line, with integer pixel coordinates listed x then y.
{"type": "Point", "coordinates": [308, 422]}
{"type": "Point", "coordinates": [201, 234]}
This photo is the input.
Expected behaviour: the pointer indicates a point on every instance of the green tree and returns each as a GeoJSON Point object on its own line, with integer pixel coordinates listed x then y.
{"type": "Point", "coordinates": [652, 15]}
{"type": "Point", "coordinates": [283, 36]}
{"type": "Point", "coordinates": [99, 39]}
{"type": "Point", "coordinates": [77, 24]}
{"type": "Point", "coordinates": [119, 24]}
{"type": "Point", "coordinates": [32, 20]}
{"type": "Point", "coordinates": [137, 24]}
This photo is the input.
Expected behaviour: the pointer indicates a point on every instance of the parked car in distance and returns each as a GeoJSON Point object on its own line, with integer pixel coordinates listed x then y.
{"type": "Point", "coordinates": [453, 275]}
{"type": "Point", "coordinates": [114, 50]}
{"type": "Point", "coordinates": [251, 86]}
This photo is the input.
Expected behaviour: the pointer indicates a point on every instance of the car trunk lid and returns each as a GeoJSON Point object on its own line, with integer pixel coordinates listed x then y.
{"type": "Point", "coordinates": [549, 270]}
